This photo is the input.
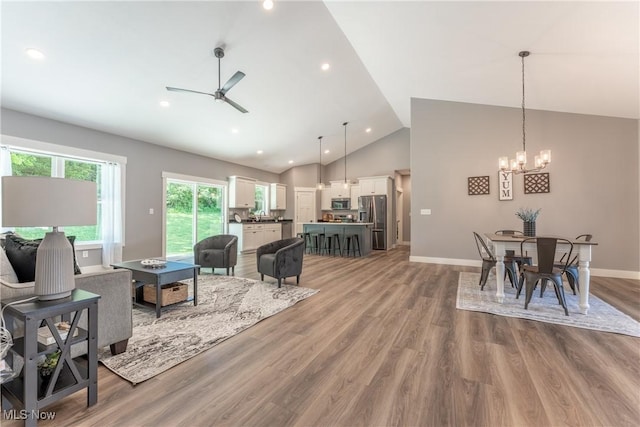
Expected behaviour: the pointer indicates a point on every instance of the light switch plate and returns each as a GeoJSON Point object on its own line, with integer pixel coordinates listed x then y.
{"type": "Point", "coordinates": [425, 211]}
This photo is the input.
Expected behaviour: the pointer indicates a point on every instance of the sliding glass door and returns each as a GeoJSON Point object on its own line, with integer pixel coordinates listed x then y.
{"type": "Point", "coordinates": [193, 210]}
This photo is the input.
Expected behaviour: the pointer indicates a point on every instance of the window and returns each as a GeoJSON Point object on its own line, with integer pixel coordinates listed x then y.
{"type": "Point", "coordinates": [262, 200]}
{"type": "Point", "coordinates": [36, 164]}
{"type": "Point", "coordinates": [24, 157]}
{"type": "Point", "coordinates": [194, 209]}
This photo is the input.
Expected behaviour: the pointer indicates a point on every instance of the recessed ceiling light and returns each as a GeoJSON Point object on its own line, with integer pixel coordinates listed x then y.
{"type": "Point", "coordinates": [267, 4]}
{"type": "Point", "coordinates": [326, 151]}
{"type": "Point", "coordinates": [290, 161]}
{"type": "Point", "coordinates": [367, 130]}
{"type": "Point", "coordinates": [325, 66]}
{"type": "Point", "coordinates": [259, 151]}
{"type": "Point", "coordinates": [234, 130]}
{"type": "Point", "coordinates": [164, 104]}
{"type": "Point", "coordinates": [34, 53]}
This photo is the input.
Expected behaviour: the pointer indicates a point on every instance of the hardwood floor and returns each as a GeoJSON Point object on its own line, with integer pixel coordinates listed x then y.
{"type": "Point", "coordinates": [382, 344]}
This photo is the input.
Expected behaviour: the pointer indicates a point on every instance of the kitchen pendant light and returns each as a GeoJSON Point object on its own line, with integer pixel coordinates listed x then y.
{"type": "Point", "coordinates": [519, 164]}
{"type": "Point", "coordinates": [345, 185]}
{"type": "Point", "coordinates": [320, 184]}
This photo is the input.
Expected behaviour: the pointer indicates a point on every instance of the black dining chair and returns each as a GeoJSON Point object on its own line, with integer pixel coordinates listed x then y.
{"type": "Point", "coordinates": [571, 270]}
{"type": "Point", "coordinates": [512, 262]}
{"type": "Point", "coordinates": [488, 259]}
{"type": "Point", "coordinates": [546, 269]}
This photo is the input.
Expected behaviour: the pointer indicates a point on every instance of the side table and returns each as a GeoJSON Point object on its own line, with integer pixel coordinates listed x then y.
{"type": "Point", "coordinates": [70, 375]}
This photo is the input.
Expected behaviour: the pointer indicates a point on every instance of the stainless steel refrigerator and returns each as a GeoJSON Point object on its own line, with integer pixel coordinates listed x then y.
{"type": "Point", "coordinates": [374, 209]}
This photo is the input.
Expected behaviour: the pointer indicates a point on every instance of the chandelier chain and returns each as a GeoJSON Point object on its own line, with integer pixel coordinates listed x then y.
{"type": "Point", "coordinates": [524, 135]}
{"type": "Point", "coordinates": [345, 151]}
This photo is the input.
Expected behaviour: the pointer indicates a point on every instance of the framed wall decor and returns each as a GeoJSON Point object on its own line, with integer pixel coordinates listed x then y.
{"type": "Point", "coordinates": [505, 185]}
{"type": "Point", "coordinates": [536, 183]}
{"type": "Point", "coordinates": [478, 185]}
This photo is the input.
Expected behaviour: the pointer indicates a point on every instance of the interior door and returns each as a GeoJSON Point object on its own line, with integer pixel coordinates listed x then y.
{"type": "Point", "coordinates": [305, 207]}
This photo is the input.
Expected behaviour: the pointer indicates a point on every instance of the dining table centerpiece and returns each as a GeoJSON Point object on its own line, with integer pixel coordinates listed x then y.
{"type": "Point", "coordinates": [528, 217]}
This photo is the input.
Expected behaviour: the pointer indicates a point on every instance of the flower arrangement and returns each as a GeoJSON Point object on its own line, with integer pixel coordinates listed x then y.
{"type": "Point", "coordinates": [49, 363]}
{"type": "Point", "coordinates": [528, 214]}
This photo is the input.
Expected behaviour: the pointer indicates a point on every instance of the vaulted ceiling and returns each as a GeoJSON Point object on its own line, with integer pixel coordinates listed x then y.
{"type": "Point", "coordinates": [107, 64]}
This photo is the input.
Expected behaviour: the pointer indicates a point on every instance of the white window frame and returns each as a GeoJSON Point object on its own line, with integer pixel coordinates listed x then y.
{"type": "Point", "coordinates": [190, 179]}
{"type": "Point", "coordinates": [62, 152]}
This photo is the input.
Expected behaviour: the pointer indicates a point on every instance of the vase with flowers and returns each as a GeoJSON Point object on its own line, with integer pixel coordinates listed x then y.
{"type": "Point", "coordinates": [528, 217]}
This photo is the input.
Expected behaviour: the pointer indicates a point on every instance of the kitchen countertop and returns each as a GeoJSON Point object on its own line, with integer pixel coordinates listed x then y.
{"type": "Point", "coordinates": [337, 223]}
{"type": "Point", "coordinates": [268, 221]}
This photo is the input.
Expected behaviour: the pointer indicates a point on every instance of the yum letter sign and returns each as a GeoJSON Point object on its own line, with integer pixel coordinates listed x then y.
{"type": "Point", "coordinates": [505, 185]}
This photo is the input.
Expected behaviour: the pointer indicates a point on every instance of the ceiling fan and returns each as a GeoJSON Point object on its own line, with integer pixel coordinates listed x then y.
{"type": "Point", "coordinates": [220, 94]}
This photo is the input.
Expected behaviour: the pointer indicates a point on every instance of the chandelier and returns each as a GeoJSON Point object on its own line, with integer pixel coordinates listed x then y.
{"type": "Point", "coordinates": [320, 184]}
{"type": "Point", "coordinates": [519, 164]}
{"type": "Point", "coordinates": [345, 184]}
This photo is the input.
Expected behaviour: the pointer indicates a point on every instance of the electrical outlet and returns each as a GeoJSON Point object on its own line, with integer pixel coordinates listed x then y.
{"type": "Point", "coordinates": [151, 211]}
{"type": "Point", "coordinates": [85, 254]}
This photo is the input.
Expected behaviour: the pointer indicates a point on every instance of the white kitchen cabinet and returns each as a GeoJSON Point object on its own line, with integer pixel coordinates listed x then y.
{"type": "Point", "coordinates": [251, 235]}
{"type": "Point", "coordinates": [325, 199]}
{"type": "Point", "coordinates": [242, 192]}
{"type": "Point", "coordinates": [355, 193]}
{"type": "Point", "coordinates": [338, 191]}
{"type": "Point", "coordinates": [278, 196]}
{"type": "Point", "coordinates": [378, 185]}
{"type": "Point", "coordinates": [272, 232]}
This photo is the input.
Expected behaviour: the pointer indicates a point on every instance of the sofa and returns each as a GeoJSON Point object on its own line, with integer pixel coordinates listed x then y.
{"type": "Point", "coordinates": [114, 307]}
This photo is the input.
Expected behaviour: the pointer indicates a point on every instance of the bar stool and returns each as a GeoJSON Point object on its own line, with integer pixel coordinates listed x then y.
{"type": "Point", "coordinates": [329, 248]}
{"type": "Point", "coordinates": [351, 242]}
{"type": "Point", "coordinates": [307, 241]}
{"type": "Point", "coordinates": [316, 242]}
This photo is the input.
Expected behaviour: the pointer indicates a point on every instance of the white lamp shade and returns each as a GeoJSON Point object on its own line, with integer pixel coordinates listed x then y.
{"type": "Point", "coordinates": [34, 201]}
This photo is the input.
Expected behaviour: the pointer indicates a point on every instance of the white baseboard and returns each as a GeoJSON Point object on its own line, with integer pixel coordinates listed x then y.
{"type": "Point", "coordinates": [599, 272]}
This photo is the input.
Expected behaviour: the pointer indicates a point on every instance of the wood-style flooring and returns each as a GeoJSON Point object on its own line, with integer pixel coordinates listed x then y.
{"type": "Point", "coordinates": [382, 344]}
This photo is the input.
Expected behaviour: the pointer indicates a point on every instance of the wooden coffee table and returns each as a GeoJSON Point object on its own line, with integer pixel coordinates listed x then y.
{"type": "Point", "coordinates": [171, 272]}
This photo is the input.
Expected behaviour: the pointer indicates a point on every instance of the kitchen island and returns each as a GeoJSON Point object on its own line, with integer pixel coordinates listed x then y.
{"type": "Point", "coordinates": [362, 229]}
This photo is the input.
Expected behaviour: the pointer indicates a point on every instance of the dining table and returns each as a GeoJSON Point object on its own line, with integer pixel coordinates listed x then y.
{"type": "Point", "coordinates": [504, 242]}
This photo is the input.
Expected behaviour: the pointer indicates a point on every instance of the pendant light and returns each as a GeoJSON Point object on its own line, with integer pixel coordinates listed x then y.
{"type": "Point", "coordinates": [519, 164]}
{"type": "Point", "coordinates": [346, 184]}
{"type": "Point", "coordinates": [320, 184]}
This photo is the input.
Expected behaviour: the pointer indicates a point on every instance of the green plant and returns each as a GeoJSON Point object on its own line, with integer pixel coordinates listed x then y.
{"type": "Point", "coordinates": [528, 214]}
{"type": "Point", "coordinates": [49, 363]}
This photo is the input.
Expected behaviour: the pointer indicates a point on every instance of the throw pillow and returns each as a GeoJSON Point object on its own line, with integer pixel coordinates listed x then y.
{"type": "Point", "coordinates": [22, 256]}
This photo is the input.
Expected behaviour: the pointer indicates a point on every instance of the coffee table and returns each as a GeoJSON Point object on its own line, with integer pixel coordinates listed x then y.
{"type": "Point", "coordinates": [170, 272]}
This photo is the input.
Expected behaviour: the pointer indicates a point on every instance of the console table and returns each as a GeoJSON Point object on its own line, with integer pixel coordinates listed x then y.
{"type": "Point", "coordinates": [70, 375]}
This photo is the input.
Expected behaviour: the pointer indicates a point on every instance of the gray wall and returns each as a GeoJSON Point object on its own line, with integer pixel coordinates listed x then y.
{"type": "Point", "coordinates": [299, 176]}
{"type": "Point", "coordinates": [594, 178]}
{"type": "Point", "coordinates": [406, 209]}
{"type": "Point", "coordinates": [145, 164]}
{"type": "Point", "coordinates": [382, 157]}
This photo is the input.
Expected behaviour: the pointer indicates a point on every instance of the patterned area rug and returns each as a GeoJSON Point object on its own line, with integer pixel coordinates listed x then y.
{"type": "Point", "coordinates": [226, 306]}
{"type": "Point", "coordinates": [601, 316]}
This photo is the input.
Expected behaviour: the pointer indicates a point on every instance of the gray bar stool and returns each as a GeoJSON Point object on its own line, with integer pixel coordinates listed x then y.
{"type": "Point", "coordinates": [351, 243]}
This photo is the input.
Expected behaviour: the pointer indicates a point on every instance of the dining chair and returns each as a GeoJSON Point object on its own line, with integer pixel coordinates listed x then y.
{"type": "Point", "coordinates": [571, 270]}
{"type": "Point", "coordinates": [488, 259]}
{"type": "Point", "coordinates": [512, 262]}
{"type": "Point", "coordinates": [546, 269]}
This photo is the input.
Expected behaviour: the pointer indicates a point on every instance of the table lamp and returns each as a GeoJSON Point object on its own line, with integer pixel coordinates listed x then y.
{"type": "Point", "coordinates": [34, 201]}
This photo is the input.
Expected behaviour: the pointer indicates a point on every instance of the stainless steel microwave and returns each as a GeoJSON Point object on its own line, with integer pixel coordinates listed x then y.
{"type": "Point", "coordinates": [341, 204]}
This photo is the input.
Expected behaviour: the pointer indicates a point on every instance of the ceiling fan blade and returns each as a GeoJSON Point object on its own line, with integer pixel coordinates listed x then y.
{"type": "Point", "coordinates": [239, 75]}
{"type": "Point", "coordinates": [177, 89]}
{"type": "Point", "coordinates": [234, 105]}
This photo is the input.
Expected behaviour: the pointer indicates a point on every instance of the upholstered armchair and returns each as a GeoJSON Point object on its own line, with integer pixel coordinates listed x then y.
{"type": "Point", "coordinates": [219, 251]}
{"type": "Point", "coordinates": [281, 259]}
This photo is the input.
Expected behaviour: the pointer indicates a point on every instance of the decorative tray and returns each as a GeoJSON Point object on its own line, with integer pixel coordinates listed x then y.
{"type": "Point", "coordinates": [153, 263]}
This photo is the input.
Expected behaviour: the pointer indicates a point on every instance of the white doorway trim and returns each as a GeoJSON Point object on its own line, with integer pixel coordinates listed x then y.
{"type": "Point", "coordinates": [298, 220]}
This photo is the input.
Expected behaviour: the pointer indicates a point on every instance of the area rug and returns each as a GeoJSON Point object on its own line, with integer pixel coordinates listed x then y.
{"type": "Point", "coordinates": [226, 306]}
{"type": "Point", "coordinates": [601, 316]}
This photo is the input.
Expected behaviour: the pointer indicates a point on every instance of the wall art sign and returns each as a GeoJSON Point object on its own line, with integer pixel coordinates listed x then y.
{"type": "Point", "coordinates": [505, 185]}
{"type": "Point", "coordinates": [536, 183]}
{"type": "Point", "coordinates": [478, 185]}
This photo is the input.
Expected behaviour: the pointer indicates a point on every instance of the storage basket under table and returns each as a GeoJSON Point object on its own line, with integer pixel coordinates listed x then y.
{"type": "Point", "coordinates": [170, 293]}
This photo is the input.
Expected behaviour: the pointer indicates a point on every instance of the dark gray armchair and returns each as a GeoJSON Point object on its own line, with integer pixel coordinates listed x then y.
{"type": "Point", "coordinates": [219, 251]}
{"type": "Point", "coordinates": [281, 259]}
